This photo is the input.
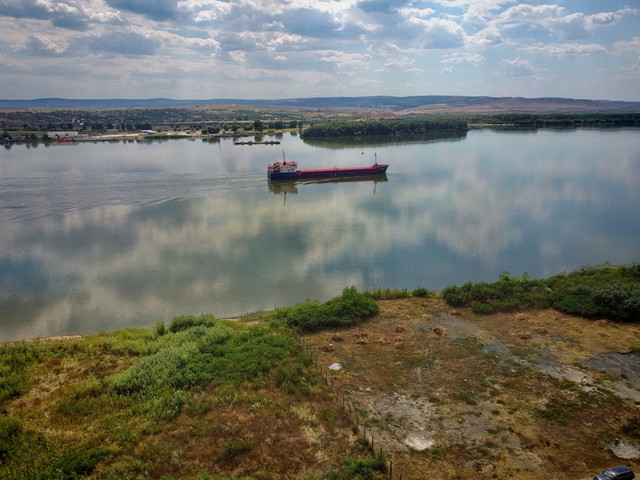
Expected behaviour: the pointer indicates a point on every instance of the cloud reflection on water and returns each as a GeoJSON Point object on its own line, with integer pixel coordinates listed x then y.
{"type": "Point", "coordinates": [466, 211]}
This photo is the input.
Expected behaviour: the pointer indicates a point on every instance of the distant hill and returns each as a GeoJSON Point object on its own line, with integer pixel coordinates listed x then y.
{"type": "Point", "coordinates": [402, 105]}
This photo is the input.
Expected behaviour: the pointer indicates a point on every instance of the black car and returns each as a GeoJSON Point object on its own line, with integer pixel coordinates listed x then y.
{"type": "Point", "coordinates": [616, 473]}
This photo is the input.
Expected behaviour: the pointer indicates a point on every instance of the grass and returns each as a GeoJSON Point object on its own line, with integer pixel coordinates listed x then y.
{"type": "Point", "coordinates": [199, 398]}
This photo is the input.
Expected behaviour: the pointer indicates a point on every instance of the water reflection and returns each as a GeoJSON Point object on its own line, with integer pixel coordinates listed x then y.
{"type": "Point", "coordinates": [282, 187]}
{"type": "Point", "coordinates": [83, 249]}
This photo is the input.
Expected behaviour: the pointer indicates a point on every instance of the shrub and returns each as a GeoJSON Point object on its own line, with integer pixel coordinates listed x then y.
{"type": "Point", "coordinates": [75, 465]}
{"type": "Point", "coordinates": [357, 468]}
{"type": "Point", "coordinates": [11, 384]}
{"type": "Point", "coordinates": [602, 291]}
{"type": "Point", "coordinates": [184, 322]}
{"type": "Point", "coordinates": [9, 431]}
{"type": "Point", "coordinates": [207, 356]}
{"type": "Point", "coordinates": [422, 292]}
{"type": "Point", "coordinates": [167, 405]}
{"type": "Point", "coordinates": [388, 294]}
{"type": "Point", "coordinates": [160, 329]}
{"type": "Point", "coordinates": [350, 308]}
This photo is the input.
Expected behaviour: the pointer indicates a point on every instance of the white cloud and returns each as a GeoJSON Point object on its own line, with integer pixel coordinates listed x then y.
{"type": "Point", "coordinates": [401, 64]}
{"type": "Point", "coordinates": [390, 40]}
{"type": "Point", "coordinates": [464, 57]}
{"type": "Point", "coordinates": [564, 49]}
{"type": "Point", "coordinates": [627, 46]}
{"type": "Point", "coordinates": [41, 45]}
{"type": "Point", "coordinates": [518, 67]}
{"type": "Point", "coordinates": [436, 33]}
{"type": "Point", "coordinates": [481, 12]}
{"type": "Point", "coordinates": [555, 18]}
{"type": "Point", "coordinates": [237, 55]}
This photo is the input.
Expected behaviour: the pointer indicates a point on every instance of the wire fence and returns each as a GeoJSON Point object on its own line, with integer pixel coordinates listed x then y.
{"type": "Point", "coordinates": [358, 423]}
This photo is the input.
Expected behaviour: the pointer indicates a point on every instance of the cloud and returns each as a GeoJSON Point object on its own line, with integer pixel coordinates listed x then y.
{"type": "Point", "coordinates": [57, 13]}
{"type": "Point", "coordinates": [68, 14]}
{"type": "Point", "coordinates": [381, 6]}
{"type": "Point", "coordinates": [309, 22]}
{"type": "Point", "coordinates": [554, 18]}
{"type": "Point", "coordinates": [564, 49]}
{"type": "Point", "coordinates": [160, 10]}
{"type": "Point", "coordinates": [518, 67]}
{"type": "Point", "coordinates": [125, 43]}
{"type": "Point", "coordinates": [463, 57]}
{"type": "Point", "coordinates": [401, 64]}
{"type": "Point", "coordinates": [38, 44]}
{"type": "Point", "coordinates": [627, 46]}
{"type": "Point", "coordinates": [25, 9]}
{"type": "Point", "coordinates": [435, 33]}
{"type": "Point", "coordinates": [490, 36]}
{"type": "Point", "coordinates": [389, 40]}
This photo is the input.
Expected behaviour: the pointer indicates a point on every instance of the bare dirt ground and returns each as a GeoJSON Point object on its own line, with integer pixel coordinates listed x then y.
{"type": "Point", "coordinates": [449, 394]}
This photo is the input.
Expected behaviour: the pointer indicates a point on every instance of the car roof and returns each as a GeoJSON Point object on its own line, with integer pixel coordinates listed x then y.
{"type": "Point", "coordinates": [617, 470]}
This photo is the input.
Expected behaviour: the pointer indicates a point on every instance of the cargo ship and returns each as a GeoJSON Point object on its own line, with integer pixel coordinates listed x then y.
{"type": "Point", "coordinates": [289, 171]}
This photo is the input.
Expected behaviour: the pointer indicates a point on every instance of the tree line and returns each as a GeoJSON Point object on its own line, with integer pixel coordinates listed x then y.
{"type": "Point", "coordinates": [404, 126]}
{"type": "Point", "coordinates": [559, 119]}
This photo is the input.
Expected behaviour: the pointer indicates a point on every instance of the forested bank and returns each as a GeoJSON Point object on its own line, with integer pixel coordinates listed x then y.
{"type": "Point", "coordinates": [558, 120]}
{"type": "Point", "coordinates": [374, 127]}
{"type": "Point", "coordinates": [462, 123]}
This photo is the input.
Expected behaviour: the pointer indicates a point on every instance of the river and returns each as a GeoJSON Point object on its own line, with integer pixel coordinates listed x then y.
{"type": "Point", "coordinates": [102, 236]}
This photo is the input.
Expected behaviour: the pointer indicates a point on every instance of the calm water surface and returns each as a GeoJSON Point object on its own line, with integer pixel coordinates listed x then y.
{"type": "Point", "coordinates": [108, 235]}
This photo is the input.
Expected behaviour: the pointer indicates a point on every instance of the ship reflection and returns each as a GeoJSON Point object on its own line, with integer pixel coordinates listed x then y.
{"type": "Point", "coordinates": [284, 187]}
{"type": "Point", "coordinates": [280, 187]}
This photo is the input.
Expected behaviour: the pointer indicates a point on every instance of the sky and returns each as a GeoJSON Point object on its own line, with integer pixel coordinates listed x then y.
{"type": "Point", "coordinates": [274, 49]}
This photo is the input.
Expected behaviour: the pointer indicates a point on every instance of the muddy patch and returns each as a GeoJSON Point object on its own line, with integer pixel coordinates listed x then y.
{"type": "Point", "coordinates": [626, 366]}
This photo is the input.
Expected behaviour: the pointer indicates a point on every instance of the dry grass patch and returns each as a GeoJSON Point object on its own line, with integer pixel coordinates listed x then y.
{"type": "Point", "coordinates": [485, 396]}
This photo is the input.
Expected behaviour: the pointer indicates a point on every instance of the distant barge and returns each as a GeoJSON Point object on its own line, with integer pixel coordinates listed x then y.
{"type": "Point", "coordinates": [251, 142]}
{"type": "Point", "coordinates": [289, 171]}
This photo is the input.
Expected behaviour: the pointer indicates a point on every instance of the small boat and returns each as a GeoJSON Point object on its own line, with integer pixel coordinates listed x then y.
{"type": "Point", "coordinates": [289, 171]}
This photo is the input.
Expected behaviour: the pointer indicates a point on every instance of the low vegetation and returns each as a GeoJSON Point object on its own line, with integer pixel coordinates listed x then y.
{"type": "Point", "coordinates": [348, 309]}
{"type": "Point", "coordinates": [201, 398]}
{"type": "Point", "coordinates": [607, 291]}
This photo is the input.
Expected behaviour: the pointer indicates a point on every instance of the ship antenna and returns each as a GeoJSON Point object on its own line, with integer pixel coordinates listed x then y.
{"type": "Point", "coordinates": [284, 160]}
